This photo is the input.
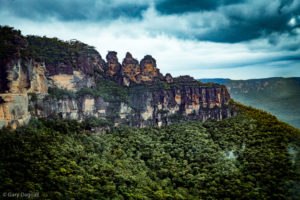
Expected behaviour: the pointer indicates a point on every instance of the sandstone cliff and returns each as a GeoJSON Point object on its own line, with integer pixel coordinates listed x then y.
{"type": "Point", "coordinates": [46, 77]}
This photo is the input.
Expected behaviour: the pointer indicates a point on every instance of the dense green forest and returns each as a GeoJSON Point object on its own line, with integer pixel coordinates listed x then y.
{"type": "Point", "coordinates": [54, 50]}
{"type": "Point", "coordinates": [249, 156]}
{"type": "Point", "coordinates": [49, 50]}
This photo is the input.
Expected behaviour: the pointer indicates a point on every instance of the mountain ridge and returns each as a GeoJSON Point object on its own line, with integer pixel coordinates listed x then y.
{"type": "Point", "coordinates": [277, 95]}
{"type": "Point", "coordinates": [45, 77]}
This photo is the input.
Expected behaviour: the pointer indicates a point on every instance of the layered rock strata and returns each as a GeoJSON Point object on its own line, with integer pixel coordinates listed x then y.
{"type": "Point", "coordinates": [81, 84]}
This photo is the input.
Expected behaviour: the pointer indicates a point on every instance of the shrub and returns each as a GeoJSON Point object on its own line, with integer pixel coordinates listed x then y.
{"type": "Point", "coordinates": [58, 93]}
{"type": "Point", "coordinates": [95, 122]}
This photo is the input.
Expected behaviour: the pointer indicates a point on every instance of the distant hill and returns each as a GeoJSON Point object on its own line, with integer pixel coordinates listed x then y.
{"type": "Point", "coordinates": [279, 96]}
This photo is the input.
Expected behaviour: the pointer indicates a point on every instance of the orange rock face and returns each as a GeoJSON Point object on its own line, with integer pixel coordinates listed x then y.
{"type": "Point", "coordinates": [17, 79]}
{"type": "Point", "coordinates": [38, 82]}
{"type": "Point", "coordinates": [130, 68]}
{"type": "Point", "coordinates": [148, 69]}
{"type": "Point", "coordinates": [26, 77]}
{"type": "Point", "coordinates": [14, 110]}
{"type": "Point", "coordinates": [178, 98]}
{"type": "Point", "coordinates": [133, 72]}
{"type": "Point", "coordinates": [112, 63]}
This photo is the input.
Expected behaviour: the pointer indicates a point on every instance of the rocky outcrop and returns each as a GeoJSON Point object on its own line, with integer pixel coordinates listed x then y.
{"type": "Point", "coordinates": [25, 76]}
{"type": "Point", "coordinates": [148, 69]}
{"type": "Point", "coordinates": [134, 73]}
{"type": "Point", "coordinates": [84, 86]}
{"type": "Point", "coordinates": [79, 57]}
{"type": "Point", "coordinates": [130, 70]}
{"type": "Point", "coordinates": [113, 64]}
{"type": "Point", "coordinates": [73, 81]}
{"type": "Point", "coordinates": [169, 78]}
{"type": "Point", "coordinates": [14, 110]}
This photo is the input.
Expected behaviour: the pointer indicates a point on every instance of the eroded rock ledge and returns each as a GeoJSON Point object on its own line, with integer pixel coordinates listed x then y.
{"type": "Point", "coordinates": [70, 80]}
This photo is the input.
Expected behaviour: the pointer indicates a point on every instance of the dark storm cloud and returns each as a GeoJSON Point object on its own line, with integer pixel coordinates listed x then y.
{"type": "Point", "coordinates": [182, 6]}
{"type": "Point", "coordinates": [222, 21]}
{"type": "Point", "coordinates": [72, 10]}
{"type": "Point", "coordinates": [241, 22]}
{"type": "Point", "coordinates": [242, 27]}
{"type": "Point", "coordinates": [284, 3]}
{"type": "Point", "coordinates": [248, 22]}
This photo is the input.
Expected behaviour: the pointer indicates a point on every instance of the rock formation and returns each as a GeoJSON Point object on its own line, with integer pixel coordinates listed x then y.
{"type": "Point", "coordinates": [169, 78]}
{"type": "Point", "coordinates": [113, 64]}
{"type": "Point", "coordinates": [130, 70]}
{"type": "Point", "coordinates": [78, 84]}
{"type": "Point", "coordinates": [148, 69]}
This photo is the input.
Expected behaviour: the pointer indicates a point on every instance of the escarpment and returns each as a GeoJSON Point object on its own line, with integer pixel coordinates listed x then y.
{"type": "Point", "coordinates": [47, 77]}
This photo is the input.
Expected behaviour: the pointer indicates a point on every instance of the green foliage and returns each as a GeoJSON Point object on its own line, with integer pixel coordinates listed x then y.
{"type": "Point", "coordinates": [186, 81]}
{"type": "Point", "coordinates": [58, 93]}
{"type": "Point", "coordinates": [87, 91]}
{"type": "Point", "coordinates": [53, 50]}
{"type": "Point", "coordinates": [243, 157]}
{"type": "Point", "coordinates": [163, 112]}
{"type": "Point", "coordinates": [49, 50]}
{"type": "Point", "coordinates": [95, 122]}
{"type": "Point", "coordinates": [159, 85]}
{"type": "Point", "coordinates": [110, 91]}
{"type": "Point", "coordinates": [33, 97]}
{"type": "Point", "coordinates": [10, 42]}
{"type": "Point", "coordinates": [268, 123]}
{"type": "Point", "coordinates": [138, 95]}
{"type": "Point", "coordinates": [176, 117]}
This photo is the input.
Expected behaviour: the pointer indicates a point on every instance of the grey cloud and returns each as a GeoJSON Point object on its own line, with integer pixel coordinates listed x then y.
{"type": "Point", "coordinates": [223, 21]}
{"type": "Point", "coordinates": [238, 22]}
{"type": "Point", "coordinates": [284, 3]}
{"type": "Point", "coordinates": [72, 10]}
{"type": "Point", "coordinates": [262, 21]}
{"type": "Point", "coordinates": [264, 61]}
{"type": "Point", "coordinates": [183, 6]}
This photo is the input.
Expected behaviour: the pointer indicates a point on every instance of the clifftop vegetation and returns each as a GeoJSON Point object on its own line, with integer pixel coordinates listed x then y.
{"type": "Point", "coordinates": [53, 51]}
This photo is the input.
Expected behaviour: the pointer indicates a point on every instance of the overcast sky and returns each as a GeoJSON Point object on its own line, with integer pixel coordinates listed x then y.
{"type": "Point", "coordinates": [238, 39]}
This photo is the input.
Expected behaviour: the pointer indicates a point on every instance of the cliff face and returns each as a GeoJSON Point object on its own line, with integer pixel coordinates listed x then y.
{"type": "Point", "coordinates": [72, 81]}
{"type": "Point", "coordinates": [143, 107]}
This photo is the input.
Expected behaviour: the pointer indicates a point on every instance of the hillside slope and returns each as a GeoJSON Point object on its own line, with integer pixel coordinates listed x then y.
{"type": "Point", "coordinates": [249, 156]}
{"type": "Point", "coordinates": [279, 96]}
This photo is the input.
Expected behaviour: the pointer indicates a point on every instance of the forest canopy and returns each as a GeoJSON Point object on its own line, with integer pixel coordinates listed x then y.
{"type": "Point", "coordinates": [249, 156]}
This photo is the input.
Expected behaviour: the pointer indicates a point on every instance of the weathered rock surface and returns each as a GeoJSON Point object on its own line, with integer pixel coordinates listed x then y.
{"type": "Point", "coordinates": [169, 78]}
{"type": "Point", "coordinates": [113, 64]}
{"type": "Point", "coordinates": [130, 70]}
{"type": "Point", "coordinates": [148, 97]}
{"type": "Point", "coordinates": [149, 70]}
{"type": "Point", "coordinates": [14, 110]}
